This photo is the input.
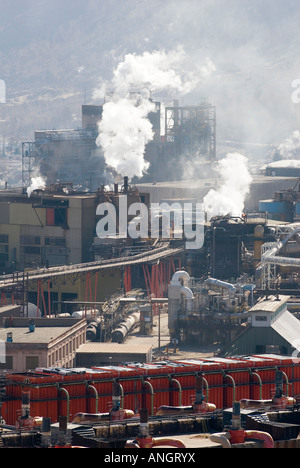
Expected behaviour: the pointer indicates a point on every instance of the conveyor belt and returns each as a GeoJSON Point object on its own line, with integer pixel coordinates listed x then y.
{"type": "Point", "coordinates": [8, 281]}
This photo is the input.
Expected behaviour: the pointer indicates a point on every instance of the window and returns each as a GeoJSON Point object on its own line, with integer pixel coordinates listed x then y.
{"type": "Point", "coordinates": [260, 349]}
{"type": "Point", "coordinates": [29, 250]}
{"type": "Point", "coordinates": [55, 241]}
{"type": "Point", "coordinates": [50, 217]}
{"type": "Point", "coordinates": [261, 318]}
{"type": "Point", "coordinates": [272, 349]}
{"type": "Point", "coordinates": [4, 256]}
{"type": "Point", "coordinates": [30, 240]}
{"type": "Point", "coordinates": [56, 216]}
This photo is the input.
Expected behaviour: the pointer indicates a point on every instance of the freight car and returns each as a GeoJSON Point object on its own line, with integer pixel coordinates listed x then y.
{"type": "Point", "coordinates": [125, 328]}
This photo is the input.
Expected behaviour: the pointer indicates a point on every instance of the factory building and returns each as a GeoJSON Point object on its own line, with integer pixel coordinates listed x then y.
{"type": "Point", "coordinates": [283, 168]}
{"type": "Point", "coordinates": [57, 225]}
{"type": "Point", "coordinates": [45, 229]}
{"type": "Point", "coordinates": [73, 155]}
{"type": "Point", "coordinates": [99, 354]}
{"type": "Point", "coordinates": [31, 343]}
{"type": "Point", "coordinates": [66, 155]}
{"type": "Point", "coordinates": [284, 206]}
{"type": "Point", "coordinates": [273, 330]}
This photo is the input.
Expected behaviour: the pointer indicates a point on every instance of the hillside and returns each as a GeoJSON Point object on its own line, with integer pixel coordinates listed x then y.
{"type": "Point", "coordinates": [53, 54]}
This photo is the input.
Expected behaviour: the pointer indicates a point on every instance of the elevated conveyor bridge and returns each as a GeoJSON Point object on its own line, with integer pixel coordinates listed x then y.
{"type": "Point", "coordinates": [18, 283]}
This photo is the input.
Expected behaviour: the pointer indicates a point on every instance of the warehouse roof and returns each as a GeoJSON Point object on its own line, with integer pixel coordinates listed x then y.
{"type": "Point", "coordinates": [41, 335]}
{"type": "Point", "coordinates": [269, 305]}
{"type": "Point", "coordinates": [45, 330]}
{"type": "Point", "coordinates": [92, 353]}
{"type": "Point", "coordinates": [287, 326]}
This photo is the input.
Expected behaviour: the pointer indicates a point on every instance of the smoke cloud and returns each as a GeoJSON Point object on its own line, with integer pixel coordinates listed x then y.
{"type": "Point", "coordinates": [124, 133]}
{"type": "Point", "coordinates": [289, 148]}
{"type": "Point", "coordinates": [125, 129]}
{"type": "Point", "coordinates": [229, 198]}
{"type": "Point", "coordinates": [37, 183]}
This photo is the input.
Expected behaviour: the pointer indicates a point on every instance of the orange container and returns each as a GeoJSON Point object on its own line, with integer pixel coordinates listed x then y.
{"type": "Point", "coordinates": [227, 378]}
{"type": "Point", "coordinates": [42, 388]}
{"type": "Point", "coordinates": [291, 367]}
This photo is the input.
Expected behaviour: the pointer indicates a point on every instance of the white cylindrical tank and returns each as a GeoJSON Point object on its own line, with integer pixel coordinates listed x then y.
{"type": "Point", "coordinates": [33, 311]}
{"type": "Point", "coordinates": [85, 313]}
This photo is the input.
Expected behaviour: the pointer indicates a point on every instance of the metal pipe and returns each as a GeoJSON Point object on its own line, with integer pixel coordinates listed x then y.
{"type": "Point", "coordinates": [207, 388]}
{"type": "Point", "coordinates": [270, 255]}
{"type": "Point", "coordinates": [96, 396]}
{"type": "Point", "coordinates": [179, 387]}
{"type": "Point", "coordinates": [233, 384]}
{"type": "Point", "coordinates": [260, 435]}
{"type": "Point", "coordinates": [168, 442]}
{"type": "Point", "coordinates": [220, 284]}
{"type": "Point", "coordinates": [221, 438]}
{"type": "Point", "coordinates": [287, 383]}
{"type": "Point", "coordinates": [152, 393]}
{"type": "Point", "coordinates": [181, 275]}
{"type": "Point", "coordinates": [68, 399]}
{"type": "Point", "coordinates": [118, 394]}
{"type": "Point", "coordinates": [122, 396]}
{"type": "Point", "coordinates": [260, 382]}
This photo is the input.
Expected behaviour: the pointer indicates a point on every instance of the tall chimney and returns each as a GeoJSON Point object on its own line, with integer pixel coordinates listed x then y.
{"type": "Point", "coordinates": [125, 184]}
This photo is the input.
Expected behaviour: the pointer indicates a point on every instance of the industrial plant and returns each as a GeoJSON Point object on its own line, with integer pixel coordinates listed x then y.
{"type": "Point", "coordinates": [116, 335]}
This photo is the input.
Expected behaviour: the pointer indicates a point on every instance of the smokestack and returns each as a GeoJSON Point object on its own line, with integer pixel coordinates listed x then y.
{"type": "Point", "coordinates": [46, 432]}
{"type": "Point", "coordinates": [116, 396]}
{"type": "Point", "coordinates": [125, 184]}
{"type": "Point", "coordinates": [25, 404]}
{"type": "Point", "coordinates": [278, 384]}
{"type": "Point", "coordinates": [63, 430]}
{"type": "Point", "coordinates": [199, 390]}
{"type": "Point", "coordinates": [144, 427]}
{"type": "Point", "coordinates": [236, 415]}
{"type": "Point", "coordinates": [116, 189]}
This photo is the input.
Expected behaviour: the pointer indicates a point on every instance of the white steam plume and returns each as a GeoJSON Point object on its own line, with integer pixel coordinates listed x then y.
{"type": "Point", "coordinates": [125, 129]}
{"type": "Point", "coordinates": [124, 133]}
{"type": "Point", "coordinates": [289, 148]}
{"type": "Point", "coordinates": [37, 183]}
{"type": "Point", "coordinates": [230, 197]}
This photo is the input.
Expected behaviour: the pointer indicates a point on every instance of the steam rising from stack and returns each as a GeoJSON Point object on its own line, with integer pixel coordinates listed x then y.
{"type": "Point", "coordinates": [125, 128]}
{"type": "Point", "coordinates": [229, 198]}
{"type": "Point", "coordinates": [37, 183]}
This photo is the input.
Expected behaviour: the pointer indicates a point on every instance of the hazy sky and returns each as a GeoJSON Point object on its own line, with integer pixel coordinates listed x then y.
{"type": "Point", "coordinates": [53, 54]}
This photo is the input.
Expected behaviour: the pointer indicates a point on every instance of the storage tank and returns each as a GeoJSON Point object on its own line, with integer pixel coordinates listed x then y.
{"type": "Point", "coordinates": [125, 327]}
